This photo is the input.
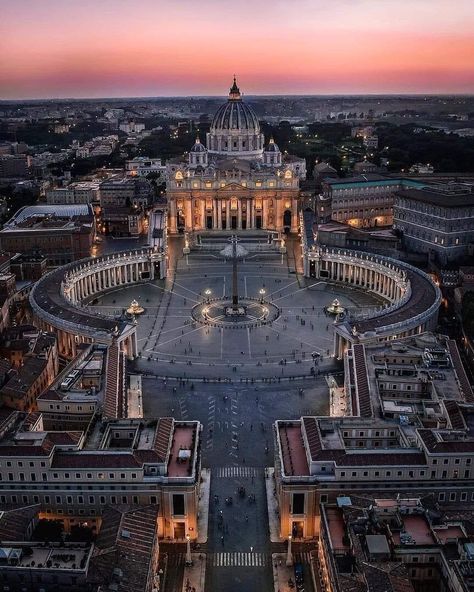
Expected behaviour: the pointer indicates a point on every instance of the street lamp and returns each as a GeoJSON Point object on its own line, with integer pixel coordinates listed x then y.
{"type": "Point", "coordinates": [289, 556]}
{"type": "Point", "coordinates": [207, 293]}
{"type": "Point", "coordinates": [189, 559]}
{"type": "Point", "coordinates": [262, 292]}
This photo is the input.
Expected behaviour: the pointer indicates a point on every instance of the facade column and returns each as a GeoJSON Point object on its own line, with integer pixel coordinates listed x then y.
{"type": "Point", "coordinates": [188, 212]}
{"type": "Point", "coordinates": [219, 214]}
{"type": "Point", "coordinates": [214, 214]}
{"type": "Point", "coordinates": [203, 214]}
{"type": "Point", "coordinates": [239, 214]}
{"type": "Point", "coordinates": [227, 214]}
{"type": "Point", "coordinates": [294, 215]}
{"type": "Point", "coordinates": [173, 216]}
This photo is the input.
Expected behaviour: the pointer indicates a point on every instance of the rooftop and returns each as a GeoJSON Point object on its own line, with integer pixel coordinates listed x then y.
{"type": "Point", "coordinates": [446, 196]}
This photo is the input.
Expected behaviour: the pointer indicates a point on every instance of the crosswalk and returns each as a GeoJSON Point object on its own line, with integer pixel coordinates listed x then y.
{"type": "Point", "coordinates": [236, 472]}
{"type": "Point", "coordinates": [302, 557]}
{"type": "Point", "coordinates": [239, 559]}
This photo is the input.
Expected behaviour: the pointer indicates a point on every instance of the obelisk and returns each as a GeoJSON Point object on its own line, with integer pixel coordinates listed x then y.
{"type": "Point", "coordinates": [235, 290]}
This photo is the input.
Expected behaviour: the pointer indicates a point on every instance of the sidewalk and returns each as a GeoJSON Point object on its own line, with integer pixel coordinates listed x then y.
{"type": "Point", "coordinates": [272, 505]}
{"type": "Point", "coordinates": [195, 574]}
{"type": "Point", "coordinates": [203, 506]}
{"type": "Point", "coordinates": [282, 573]}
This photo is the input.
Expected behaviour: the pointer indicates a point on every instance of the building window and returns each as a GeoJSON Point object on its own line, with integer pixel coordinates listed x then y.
{"type": "Point", "coordinates": [298, 503]}
{"type": "Point", "coordinates": [441, 496]}
{"type": "Point", "coordinates": [178, 504]}
{"type": "Point", "coordinates": [452, 496]}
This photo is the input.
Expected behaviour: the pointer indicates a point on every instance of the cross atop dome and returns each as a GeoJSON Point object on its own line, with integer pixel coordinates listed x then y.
{"type": "Point", "coordinates": [234, 91]}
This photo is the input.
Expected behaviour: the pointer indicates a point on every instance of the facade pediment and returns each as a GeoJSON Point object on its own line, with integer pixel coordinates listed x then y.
{"type": "Point", "coordinates": [229, 187]}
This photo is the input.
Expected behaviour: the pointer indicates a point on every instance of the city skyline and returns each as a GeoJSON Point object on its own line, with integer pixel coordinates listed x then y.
{"type": "Point", "coordinates": [116, 49]}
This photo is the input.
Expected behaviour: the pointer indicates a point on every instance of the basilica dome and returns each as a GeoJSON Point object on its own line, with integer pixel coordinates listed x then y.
{"type": "Point", "coordinates": [235, 130]}
{"type": "Point", "coordinates": [235, 114]}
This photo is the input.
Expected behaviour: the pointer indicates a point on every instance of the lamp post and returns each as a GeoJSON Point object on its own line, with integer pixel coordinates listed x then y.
{"type": "Point", "coordinates": [289, 556]}
{"type": "Point", "coordinates": [262, 292]}
{"type": "Point", "coordinates": [189, 559]}
{"type": "Point", "coordinates": [207, 293]}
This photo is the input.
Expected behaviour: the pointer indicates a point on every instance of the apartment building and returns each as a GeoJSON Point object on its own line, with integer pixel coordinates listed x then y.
{"type": "Point", "coordinates": [393, 544]}
{"type": "Point", "coordinates": [320, 458]}
{"type": "Point", "coordinates": [73, 475]}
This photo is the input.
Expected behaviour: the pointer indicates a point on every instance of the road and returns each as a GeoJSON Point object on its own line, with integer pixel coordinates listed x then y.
{"type": "Point", "coordinates": [237, 427]}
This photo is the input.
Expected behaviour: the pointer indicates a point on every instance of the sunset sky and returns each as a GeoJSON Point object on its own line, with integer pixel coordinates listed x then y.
{"type": "Point", "coordinates": [113, 48]}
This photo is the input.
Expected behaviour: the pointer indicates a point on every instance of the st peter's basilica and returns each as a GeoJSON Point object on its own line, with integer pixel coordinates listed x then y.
{"type": "Point", "coordinates": [236, 180]}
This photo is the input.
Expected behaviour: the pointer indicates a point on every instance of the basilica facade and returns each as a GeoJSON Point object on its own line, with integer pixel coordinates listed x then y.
{"type": "Point", "coordinates": [235, 181]}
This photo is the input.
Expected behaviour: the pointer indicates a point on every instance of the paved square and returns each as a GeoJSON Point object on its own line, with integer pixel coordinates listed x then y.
{"type": "Point", "coordinates": [171, 343]}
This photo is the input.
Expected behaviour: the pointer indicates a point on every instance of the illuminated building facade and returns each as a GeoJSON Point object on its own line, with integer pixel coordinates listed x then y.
{"type": "Point", "coordinates": [235, 182]}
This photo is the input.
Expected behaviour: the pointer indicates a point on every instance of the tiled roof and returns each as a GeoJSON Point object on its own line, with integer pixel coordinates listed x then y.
{"type": "Point", "coordinates": [361, 381]}
{"type": "Point", "coordinates": [94, 460]}
{"type": "Point", "coordinates": [312, 434]}
{"type": "Point", "coordinates": [162, 439]}
{"type": "Point", "coordinates": [65, 438]}
{"type": "Point", "coordinates": [456, 418]}
{"type": "Point", "coordinates": [434, 445]}
{"type": "Point", "coordinates": [464, 384]}
{"type": "Point", "coordinates": [127, 541]}
{"type": "Point", "coordinates": [14, 523]}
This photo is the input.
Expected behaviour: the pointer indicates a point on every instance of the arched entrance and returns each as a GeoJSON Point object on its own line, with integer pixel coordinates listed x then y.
{"type": "Point", "coordinates": [287, 221]}
{"type": "Point", "coordinates": [181, 222]}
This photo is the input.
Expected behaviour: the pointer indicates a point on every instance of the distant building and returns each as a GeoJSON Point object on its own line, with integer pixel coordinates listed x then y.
{"type": "Point", "coordinates": [142, 166]}
{"type": "Point", "coordinates": [437, 220]}
{"type": "Point", "coordinates": [364, 166]}
{"type": "Point", "coordinates": [35, 361]}
{"type": "Point", "coordinates": [363, 201]}
{"type": "Point", "coordinates": [63, 233]}
{"type": "Point", "coordinates": [84, 192]}
{"type": "Point", "coordinates": [362, 131]}
{"type": "Point", "coordinates": [14, 166]}
{"type": "Point", "coordinates": [371, 142]}
{"type": "Point", "coordinates": [28, 266]}
{"type": "Point", "coordinates": [125, 192]}
{"type": "Point", "coordinates": [422, 169]}
{"type": "Point", "coordinates": [131, 127]}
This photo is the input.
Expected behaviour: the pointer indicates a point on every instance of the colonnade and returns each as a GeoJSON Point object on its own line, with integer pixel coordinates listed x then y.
{"type": "Point", "coordinates": [232, 213]}
{"type": "Point", "coordinates": [385, 280]}
{"type": "Point", "coordinates": [91, 279]}
{"type": "Point", "coordinates": [57, 298]}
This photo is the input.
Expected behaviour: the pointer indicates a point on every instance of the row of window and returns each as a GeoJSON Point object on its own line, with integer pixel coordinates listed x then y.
{"type": "Point", "coordinates": [80, 499]}
{"type": "Point", "coordinates": [75, 476]}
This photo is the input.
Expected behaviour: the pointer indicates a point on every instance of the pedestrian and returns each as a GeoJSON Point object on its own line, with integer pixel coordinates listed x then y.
{"type": "Point", "coordinates": [243, 460]}
{"type": "Point", "coordinates": [222, 540]}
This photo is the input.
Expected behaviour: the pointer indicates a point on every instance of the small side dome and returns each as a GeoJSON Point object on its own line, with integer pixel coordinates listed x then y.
{"type": "Point", "coordinates": [271, 146]}
{"type": "Point", "coordinates": [198, 147]}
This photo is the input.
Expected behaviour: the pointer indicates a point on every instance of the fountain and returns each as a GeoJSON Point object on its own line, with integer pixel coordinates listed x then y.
{"type": "Point", "coordinates": [135, 309]}
{"type": "Point", "coordinates": [335, 308]}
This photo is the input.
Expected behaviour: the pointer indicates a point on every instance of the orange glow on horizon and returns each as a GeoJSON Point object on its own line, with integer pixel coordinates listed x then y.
{"type": "Point", "coordinates": [164, 48]}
